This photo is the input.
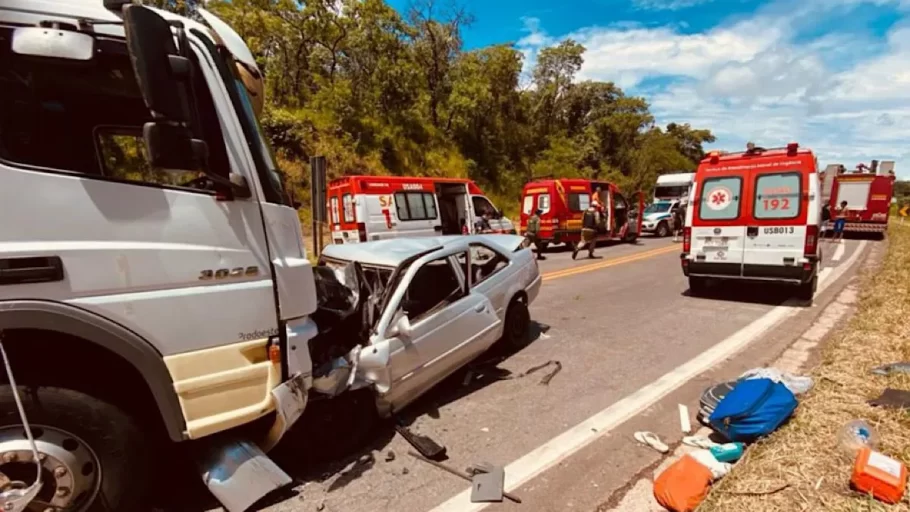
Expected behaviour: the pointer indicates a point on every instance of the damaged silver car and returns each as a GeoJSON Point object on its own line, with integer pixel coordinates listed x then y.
{"type": "Point", "coordinates": [401, 315]}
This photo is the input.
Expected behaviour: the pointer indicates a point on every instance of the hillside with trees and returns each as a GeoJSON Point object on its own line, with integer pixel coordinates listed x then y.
{"type": "Point", "coordinates": [379, 92]}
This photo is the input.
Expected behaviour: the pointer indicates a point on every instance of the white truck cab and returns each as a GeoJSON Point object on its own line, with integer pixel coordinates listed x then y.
{"type": "Point", "coordinates": [153, 278]}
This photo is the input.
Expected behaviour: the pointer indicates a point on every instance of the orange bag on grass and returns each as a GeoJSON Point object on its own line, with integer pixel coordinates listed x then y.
{"type": "Point", "coordinates": [881, 476]}
{"type": "Point", "coordinates": [682, 486]}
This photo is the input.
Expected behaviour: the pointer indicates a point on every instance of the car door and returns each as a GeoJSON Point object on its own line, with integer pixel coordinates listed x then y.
{"type": "Point", "coordinates": [777, 231]}
{"type": "Point", "coordinates": [488, 270]}
{"type": "Point", "coordinates": [431, 326]}
{"type": "Point", "coordinates": [718, 231]}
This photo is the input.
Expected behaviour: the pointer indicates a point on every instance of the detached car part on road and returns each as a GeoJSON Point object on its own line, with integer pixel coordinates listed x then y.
{"type": "Point", "coordinates": [401, 315]}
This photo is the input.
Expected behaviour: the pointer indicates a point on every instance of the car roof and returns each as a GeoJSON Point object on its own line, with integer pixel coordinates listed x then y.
{"type": "Point", "coordinates": [393, 252]}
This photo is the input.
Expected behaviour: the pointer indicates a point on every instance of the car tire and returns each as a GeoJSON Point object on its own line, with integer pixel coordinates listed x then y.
{"type": "Point", "coordinates": [107, 447]}
{"type": "Point", "coordinates": [697, 285]}
{"type": "Point", "coordinates": [807, 290]}
{"type": "Point", "coordinates": [516, 332]}
{"type": "Point", "coordinates": [663, 229]}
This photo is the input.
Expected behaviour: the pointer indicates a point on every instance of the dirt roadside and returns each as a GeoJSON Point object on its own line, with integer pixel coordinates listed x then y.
{"type": "Point", "coordinates": [800, 467]}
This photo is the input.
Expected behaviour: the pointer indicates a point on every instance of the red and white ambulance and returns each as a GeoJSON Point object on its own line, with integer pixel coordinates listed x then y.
{"type": "Point", "coordinates": [366, 208]}
{"type": "Point", "coordinates": [754, 216]}
{"type": "Point", "coordinates": [562, 203]}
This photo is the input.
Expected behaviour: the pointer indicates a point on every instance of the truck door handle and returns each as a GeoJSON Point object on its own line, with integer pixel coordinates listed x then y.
{"type": "Point", "coordinates": [42, 269]}
{"type": "Point", "coordinates": [480, 307]}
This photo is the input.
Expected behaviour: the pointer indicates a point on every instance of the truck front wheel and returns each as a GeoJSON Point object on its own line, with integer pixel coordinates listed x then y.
{"type": "Point", "coordinates": [93, 455]}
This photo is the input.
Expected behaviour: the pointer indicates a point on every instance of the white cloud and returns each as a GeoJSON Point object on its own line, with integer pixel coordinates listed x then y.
{"type": "Point", "coordinates": [668, 5]}
{"type": "Point", "coordinates": [844, 94]}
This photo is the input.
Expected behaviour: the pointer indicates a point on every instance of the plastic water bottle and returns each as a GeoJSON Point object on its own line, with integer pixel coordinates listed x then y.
{"type": "Point", "coordinates": [728, 452]}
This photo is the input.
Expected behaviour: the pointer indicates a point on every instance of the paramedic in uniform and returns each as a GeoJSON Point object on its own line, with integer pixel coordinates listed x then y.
{"type": "Point", "coordinates": [532, 233]}
{"type": "Point", "coordinates": [589, 223]}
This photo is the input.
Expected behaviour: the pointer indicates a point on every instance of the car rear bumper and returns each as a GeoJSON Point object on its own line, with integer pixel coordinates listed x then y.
{"type": "Point", "coordinates": [791, 274]}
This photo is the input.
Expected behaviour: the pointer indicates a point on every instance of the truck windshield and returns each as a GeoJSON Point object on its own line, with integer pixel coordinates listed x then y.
{"type": "Point", "coordinates": [269, 174]}
{"type": "Point", "coordinates": [671, 191]}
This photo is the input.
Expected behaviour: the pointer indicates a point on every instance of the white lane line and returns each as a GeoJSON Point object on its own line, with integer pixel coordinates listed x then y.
{"type": "Point", "coordinates": [571, 441]}
{"type": "Point", "coordinates": [839, 252]}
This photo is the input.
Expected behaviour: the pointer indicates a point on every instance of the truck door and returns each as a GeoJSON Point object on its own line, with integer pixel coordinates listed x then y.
{"type": "Point", "coordinates": [776, 232]}
{"type": "Point", "coordinates": [718, 227]}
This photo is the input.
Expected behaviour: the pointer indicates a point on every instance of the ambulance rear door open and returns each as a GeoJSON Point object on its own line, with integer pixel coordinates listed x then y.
{"type": "Point", "coordinates": [718, 226]}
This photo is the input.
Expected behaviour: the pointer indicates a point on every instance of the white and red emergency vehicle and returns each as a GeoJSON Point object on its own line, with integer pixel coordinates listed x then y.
{"type": "Point", "coordinates": [867, 190]}
{"type": "Point", "coordinates": [366, 208]}
{"type": "Point", "coordinates": [754, 216]}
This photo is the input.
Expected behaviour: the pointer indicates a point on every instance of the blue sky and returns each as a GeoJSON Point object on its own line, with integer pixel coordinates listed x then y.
{"type": "Point", "coordinates": [833, 75]}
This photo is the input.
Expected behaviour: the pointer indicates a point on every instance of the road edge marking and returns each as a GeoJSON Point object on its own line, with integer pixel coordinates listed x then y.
{"type": "Point", "coordinates": [571, 441]}
{"type": "Point", "coordinates": [839, 252]}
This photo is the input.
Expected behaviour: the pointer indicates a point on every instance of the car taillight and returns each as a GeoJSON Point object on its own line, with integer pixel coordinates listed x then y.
{"type": "Point", "coordinates": [811, 241]}
{"type": "Point", "coordinates": [687, 239]}
{"type": "Point", "coordinates": [362, 231]}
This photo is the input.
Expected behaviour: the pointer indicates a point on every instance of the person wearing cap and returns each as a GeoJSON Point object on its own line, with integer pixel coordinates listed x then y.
{"type": "Point", "coordinates": [532, 233]}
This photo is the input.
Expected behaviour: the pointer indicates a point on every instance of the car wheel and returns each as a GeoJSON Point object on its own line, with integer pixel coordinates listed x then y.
{"type": "Point", "coordinates": [95, 456]}
{"type": "Point", "coordinates": [516, 333]}
{"type": "Point", "coordinates": [697, 285]}
{"type": "Point", "coordinates": [807, 290]}
{"type": "Point", "coordinates": [663, 229]}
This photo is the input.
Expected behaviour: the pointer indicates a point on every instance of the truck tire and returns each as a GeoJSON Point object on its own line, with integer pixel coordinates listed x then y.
{"type": "Point", "coordinates": [516, 333]}
{"type": "Point", "coordinates": [96, 457]}
{"type": "Point", "coordinates": [806, 290]}
{"type": "Point", "coordinates": [697, 286]}
{"type": "Point", "coordinates": [663, 229]}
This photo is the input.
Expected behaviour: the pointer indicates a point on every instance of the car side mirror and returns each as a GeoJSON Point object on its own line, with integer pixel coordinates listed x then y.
{"type": "Point", "coordinates": [164, 74]}
{"type": "Point", "coordinates": [403, 328]}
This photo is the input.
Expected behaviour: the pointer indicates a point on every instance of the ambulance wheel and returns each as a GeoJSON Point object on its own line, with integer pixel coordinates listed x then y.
{"type": "Point", "coordinates": [663, 229]}
{"type": "Point", "coordinates": [517, 331]}
{"type": "Point", "coordinates": [94, 455]}
{"type": "Point", "coordinates": [806, 291]}
{"type": "Point", "coordinates": [697, 286]}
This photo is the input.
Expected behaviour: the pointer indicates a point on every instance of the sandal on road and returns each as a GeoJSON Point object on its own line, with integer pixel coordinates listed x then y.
{"type": "Point", "coordinates": [698, 442]}
{"type": "Point", "coordinates": [651, 439]}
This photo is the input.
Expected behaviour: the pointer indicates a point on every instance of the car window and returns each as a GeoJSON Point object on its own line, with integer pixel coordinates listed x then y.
{"type": "Point", "coordinates": [720, 198]}
{"type": "Point", "coordinates": [777, 196]}
{"type": "Point", "coordinates": [543, 202]}
{"type": "Point", "coordinates": [415, 206]}
{"type": "Point", "coordinates": [527, 205]}
{"type": "Point", "coordinates": [435, 286]}
{"type": "Point", "coordinates": [485, 262]}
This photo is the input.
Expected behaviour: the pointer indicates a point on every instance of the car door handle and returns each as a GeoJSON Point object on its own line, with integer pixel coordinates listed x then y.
{"type": "Point", "coordinates": [42, 269]}
{"type": "Point", "coordinates": [480, 308]}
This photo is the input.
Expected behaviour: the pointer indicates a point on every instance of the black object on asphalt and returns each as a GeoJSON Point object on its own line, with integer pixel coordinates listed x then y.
{"type": "Point", "coordinates": [423, 444]}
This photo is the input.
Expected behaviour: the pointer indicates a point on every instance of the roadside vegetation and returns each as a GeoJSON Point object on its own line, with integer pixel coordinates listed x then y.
{"type": "Point", "coordinates": [800, 467]}
{"type": "Point", "coordinates": [378, 92]}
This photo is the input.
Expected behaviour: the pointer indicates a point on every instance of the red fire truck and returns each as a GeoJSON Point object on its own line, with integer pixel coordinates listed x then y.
{"type": "Point", "coordinates": [563, 201]}
{"type": "Point", "coordinates": [867, 190]}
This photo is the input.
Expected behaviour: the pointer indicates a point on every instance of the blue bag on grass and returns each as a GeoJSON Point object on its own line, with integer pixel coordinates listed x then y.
{"type": "Point", "coordinates": [752, 409]}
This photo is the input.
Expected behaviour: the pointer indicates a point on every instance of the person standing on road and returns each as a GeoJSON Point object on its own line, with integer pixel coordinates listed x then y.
{"type": "Point", "coordinates": [679, 218]}
{"type": "Point", "coordinates": [532, 233]}
{"type": "Point", "coordinates": [588, 232]}
{"type": "Point", "coordinates": [840, 221]}
{"type": "Point", "coordinates": [826, 219]}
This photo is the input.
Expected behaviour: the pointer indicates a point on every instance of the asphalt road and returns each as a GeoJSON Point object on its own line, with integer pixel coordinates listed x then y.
{"type": "Point", "coordinates": [632, 344]}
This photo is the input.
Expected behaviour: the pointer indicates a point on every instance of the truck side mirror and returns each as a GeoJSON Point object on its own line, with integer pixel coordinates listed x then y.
{"type": "Point", "coordinates": [164, 77]}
